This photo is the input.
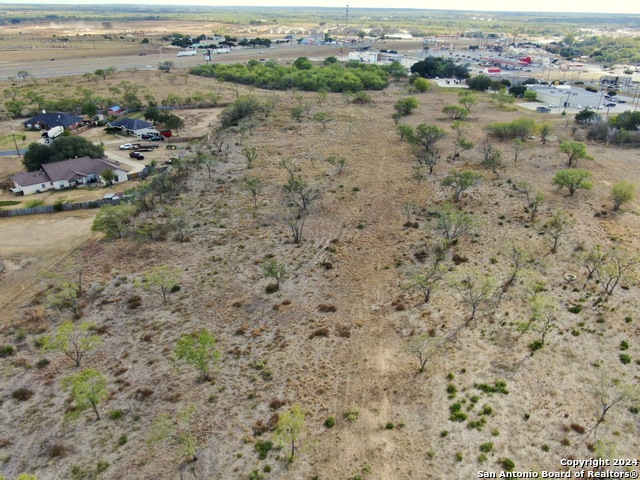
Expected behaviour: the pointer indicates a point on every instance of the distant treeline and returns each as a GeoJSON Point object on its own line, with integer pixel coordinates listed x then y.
{"type": "Point", "coordinates": [334, 77]}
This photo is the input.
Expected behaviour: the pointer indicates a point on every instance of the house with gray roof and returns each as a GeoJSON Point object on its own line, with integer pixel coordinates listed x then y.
{"type": "Point", "coordinates": [133, 126]}
{"type": "Point", "coordinates": [66, 174]}
{"type": "Point", "coordinates": [47, 121]}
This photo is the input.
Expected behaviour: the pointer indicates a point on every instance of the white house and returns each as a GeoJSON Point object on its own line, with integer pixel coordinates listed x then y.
{"type": "Point", "coordinates": [67, 173]}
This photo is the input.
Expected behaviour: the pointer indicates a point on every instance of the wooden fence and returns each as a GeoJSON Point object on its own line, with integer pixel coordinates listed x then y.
{"type": "Point", "coordinates": [63, 207]}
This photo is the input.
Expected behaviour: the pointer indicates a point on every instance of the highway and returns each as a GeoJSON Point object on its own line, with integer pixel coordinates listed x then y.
{"type": "Point", "coordinates": [82, 65]}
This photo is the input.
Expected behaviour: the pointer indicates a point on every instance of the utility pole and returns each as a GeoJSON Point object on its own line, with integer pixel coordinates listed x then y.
{"type": "Point", "coordinates": [14, 141]}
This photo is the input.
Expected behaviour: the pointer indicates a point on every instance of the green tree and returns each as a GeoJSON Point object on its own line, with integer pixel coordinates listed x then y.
{"type": "Point", "coordinates": [272, 269]}
{"type": "Point", "coordinates": [421, 85]}
{"type": "Point", "coordinates": [609, 392]}
{"type": "Point", "coordinates": [491, 157]}
{"type": "Point", "coordinates": [452, 223]}
{"type": "Point", "coordinates": [406, 105]}
{"type": "Point", "coordinates": [427, 135]}
{"type": "Point", "coordinates": [622, 192]}
{"type": "Point", "coordinates": [467, 100]}
{"type": "Point", "coordinates": [113, 220]}
{"type": "Point", "coordinates": [615, 267]}
{"type": "Point", "coordinates": [173, 122]}
{"type": "Point", "coordinates": [460, 181]}
{"type": "Point", "coordinates": [531, 96]}
{"type": "Point", "coordinates": [502, 97]}
{"type": "Point", "coordinates": [423, 347]}
{"type": "Point", "coordinates": [64, 148]}
{"type": "Point", "coordinates": [108, 176]}
{"type": "Point", "coordinates": [337, 161]}
{"type": "Point", "coordinates": [163, 280]}
{"type": "Point", "coordinates": [556, 227]}
{"type": "Point", "coordinates": [250, 153]}
{"type": "Point", "coordinates": [396, 70]}
{"type": "Point", "coordinates": [166, 66]}
{"type": "Point", "coordinates": [573, 179]}
{"type": "Point", "coordinates": [177, 431]}
{"type": "Point", "coordinates": [574, 151]}
{"type": "Point", "coordinates": [479, 83]}
{"type": "Point", "coordinates": [65, 296]}
{"type": "Point", "coordinates": [254, 187]}
{"type": "Point", "coordinates": [474, 287]}
{"type": "Point", "coordinates": [291, 427]}
{"type": "Point", "coordinates": [88, 388]}
{"type": "Point", "coordinates": [461, 145]}
{"type": "Point", "coordinates": [428, 279]}
{"type": "Point", "coordinates": [303, 63]}
{"type": "Point", "coordinates": [404, 131]}
{"type": "Point", "coordinates": [428, 159]}
{"type": "Point", "coordinates": [455, 112]}
{"type": "Point", "coordinates": [323, 118]}
{"type": "Point", "coordinates": [198, 349]}
{"type": "Point", "coordinates": [75, 341]}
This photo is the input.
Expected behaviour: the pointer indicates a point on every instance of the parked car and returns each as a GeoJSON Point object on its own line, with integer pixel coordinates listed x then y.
{"type": "Point", "coordinates": [553, 105]}
{"type": "Point", "coordinates": [156, 138]}
{"type": "Point", "coordinates": [136, 155]}
{"type": "Point", "coordinates": [126, 146]}
{"type": "Point", "coordinates": [621, 101]}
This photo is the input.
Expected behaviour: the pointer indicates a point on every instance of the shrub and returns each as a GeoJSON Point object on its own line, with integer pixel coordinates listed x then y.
{"type": "Point", "coordinates": [330, 422]}
{"type": "Point", "coordinates": [22, 394]}
{"type": "Point", "coordinates": [486, 447]}
{"type": "Point", "coordinates": [134, 302]}
{"type": "Point", "coordinates": [43, 362]}
{"type": "Point", "coordinates": [122, 440]}
{"type": "Point", "coordinates": [6, 351]}
{"type": "Point", "coordinates": [576, 427]}
{"type": "Point", "coordinates": [499, 386]}
{"type": "Point", "coordinates": [444, 433]}
{"type": "Point", "coordinates": [452, 390]}
{"type": "Point", "coordinates": [624, 345]}
{"type": "Point", "coordinates": [57, 450]}
{"type": "Point", "coordinates": [351, 415]}
{"type": "Point", "coordinates": [624, 358]}
{"type": "Point", "coordinates": [361, 98]}
{"type": "Point", "coordinates": [263, 447]}
{"type": "Point", "coordinates": [507, 464]}
{"type": "Point", "coordinates": [459, 456]}
{"type": "Point", "coordinates": [116, 414]}
{"type": "Point", "coordinates": [389, 426]}
{"type": "Point", "coordinates": [327, 308]}
{"type": "Point", "coordinates": [320, 332]}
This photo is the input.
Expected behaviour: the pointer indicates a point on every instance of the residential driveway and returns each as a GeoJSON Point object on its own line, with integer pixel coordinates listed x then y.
{"type": "Point", "coordinates": [137, 166]}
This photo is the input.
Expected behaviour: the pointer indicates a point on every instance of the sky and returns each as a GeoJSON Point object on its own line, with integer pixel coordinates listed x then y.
{"type": "Point", "coordinates": [588, 6]}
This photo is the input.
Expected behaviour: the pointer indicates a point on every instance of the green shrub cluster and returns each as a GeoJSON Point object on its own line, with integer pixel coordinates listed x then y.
{"type": "Point", "coordinates": [351, 77]}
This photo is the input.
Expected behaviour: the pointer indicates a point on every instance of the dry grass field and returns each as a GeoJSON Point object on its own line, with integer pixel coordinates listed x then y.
{"type": "Point", "coordinates": [333, 338]}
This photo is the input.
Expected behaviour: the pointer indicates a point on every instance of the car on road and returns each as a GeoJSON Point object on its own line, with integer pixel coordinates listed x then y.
{"type": "Point", "coordinates": [610, 104]}
{"type": "Point", "coordinates": [136, 155]}
{"type": "Point", "coordinates": [126, 146]}
{"type": "Point", "coordinates": [622, 101]}
{"type": "Point", "coordinates": [553, 105]}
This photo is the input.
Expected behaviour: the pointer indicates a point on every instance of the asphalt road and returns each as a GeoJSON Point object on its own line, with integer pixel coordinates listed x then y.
{"type": "Point", "coordinates": [10, 153]}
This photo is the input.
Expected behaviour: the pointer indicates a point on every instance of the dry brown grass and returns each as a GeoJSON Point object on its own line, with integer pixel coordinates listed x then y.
{"type": "Point", "coordinates": [357, 361]}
